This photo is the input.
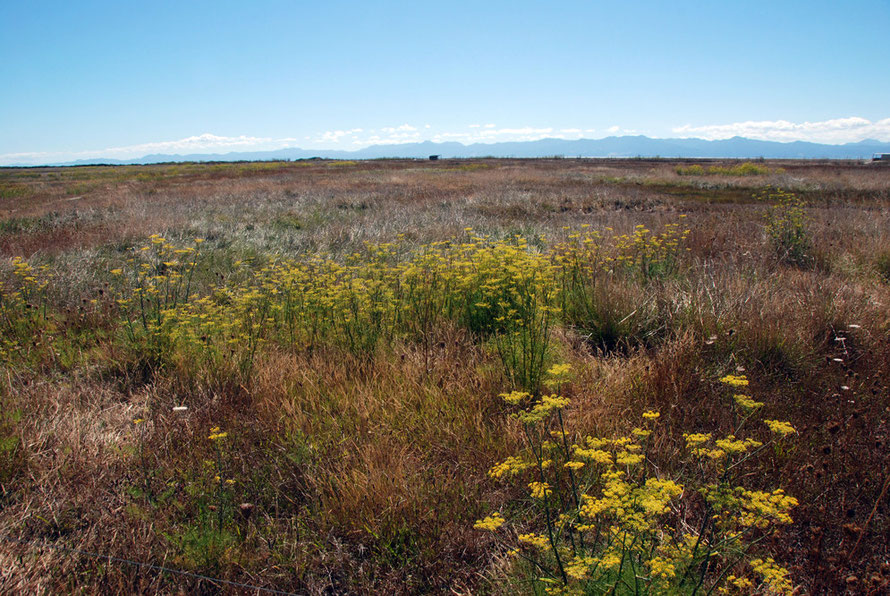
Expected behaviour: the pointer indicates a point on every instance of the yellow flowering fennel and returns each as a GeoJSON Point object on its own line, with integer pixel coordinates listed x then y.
{"type": "Point", "coordinates": [579, 567]}
{"type": "Point", "coordinates": [535, 540]}
{"type": "Point", "coordinates": [216, 435]}
{"type": "Point", "coordinates": [505, 290]}
{"type": "Point", "coordinates": [774, 576]}
{"type": "Point", "coordinates": [539, 490]}
{"type": "Point", "coordinates": [543, 408]}
{"type": "Point", "coordinates": [515, 397]}
{"type": "Point", "coordinates": [779, 427]}
{"type": "Point", "coordinates": [746, 402]}
{"type": "Point", "coordinates": [511, 466]}
{"type": "Point", "coordinates": [735, 381]}
{"type": "Point", "coordinates": [606, 516]}
{"type": "Point", "coordinates": [502, 289]}
{"type": "Point", "coordinates": [491, 522]}
{"type": "Point", "coordinates": [734, 446]}
{"type": "Point", "coordinates": [559, 371]}
{"type": "Point", "coordinates": [641, 433]}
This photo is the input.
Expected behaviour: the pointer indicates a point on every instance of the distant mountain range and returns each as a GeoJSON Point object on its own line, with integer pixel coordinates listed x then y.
{"type": "Point", "coordinates": [625, 146]}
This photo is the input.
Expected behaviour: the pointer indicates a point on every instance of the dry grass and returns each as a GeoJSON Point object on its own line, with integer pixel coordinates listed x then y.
{"type": "Point", "coordinates": [366, 472]}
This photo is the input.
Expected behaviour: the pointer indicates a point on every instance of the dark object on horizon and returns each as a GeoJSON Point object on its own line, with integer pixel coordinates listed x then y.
{"type": "Point", "coordinates": [875, 157]}
{"type": "Point", "coordinates": [434, 158]}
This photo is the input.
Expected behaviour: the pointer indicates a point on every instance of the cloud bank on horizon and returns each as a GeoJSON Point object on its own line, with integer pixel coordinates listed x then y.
{"type": "Point", "coordinates": [836, 131]}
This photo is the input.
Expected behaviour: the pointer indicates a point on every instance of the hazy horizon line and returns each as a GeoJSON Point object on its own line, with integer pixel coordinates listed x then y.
{"type": "Point", "coordinates": [840, 131]}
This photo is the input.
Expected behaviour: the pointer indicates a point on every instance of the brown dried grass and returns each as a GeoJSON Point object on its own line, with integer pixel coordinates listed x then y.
{"type": "Point", "coordinates": [367, 474]}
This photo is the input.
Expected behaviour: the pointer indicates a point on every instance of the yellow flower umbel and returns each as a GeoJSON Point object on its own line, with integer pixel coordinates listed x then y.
{"type": "Point", "coordinates": [735, 381]}
{"type": "Point", "coordinates": [695, 443]}
{"type": "Point", "coordinates": [216, 435]}
{"type": "Point", "coordinates": [641, 433]}
{"type": "Point", "coordinates": [559, 371]}
{"type": "Point", "coordinates": [514, 398]}
{"type": "Point", "coordinates": [783, 429]}
{"type": "Point", "coordinates": [761, 509]}
{"type": "Point", "coordinates": [542, 410]}
{"type": "Point", "coordinates": [773, 576]}
{"type": "Point", "coordinates": [535, 540]}
{"type": "Point", "coordinates": [540, 490]}
{"type": "Point", "coordinates": [598, 456]}
{"type": "Point", "coordinates": [579, 567]}
{"type": "Point", "coordinates": [746, 402]}
{"type": "Point", "coordinates": [734, 446]}
{"type": "Point", "coordinates": [558, 374]}
{"type": "Point", "coordinates": [662, 569]}
{"type": "Point", "coordinates": [491, 522]}
{"type": "Point", "coordinates": [509, 467]}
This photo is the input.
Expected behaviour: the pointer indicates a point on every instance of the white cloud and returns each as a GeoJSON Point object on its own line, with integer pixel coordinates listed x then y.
{"type": "Point", "coordinates": [488, 134]}
{"type": "Point", "coordinates": [203, 143]}
{"type": "Point", "coordinates": [335, 136]}
{"type": "Point", "coordinates": [402, 128]}
{"type": "Point", "coordinates": [352, 138]}
{"type": "Point", "coordinates": [197, 144]}
{"type": "Point", "coordinates": [840, 130]}
{"type": "Point", "coordinates": [617, 131]}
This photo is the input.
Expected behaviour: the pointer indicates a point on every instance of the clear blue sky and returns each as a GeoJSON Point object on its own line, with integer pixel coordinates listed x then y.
{"type": "Point", "coordinates": [116, 77]}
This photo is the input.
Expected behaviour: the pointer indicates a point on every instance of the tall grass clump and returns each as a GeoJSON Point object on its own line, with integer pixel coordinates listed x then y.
{"type": "Point", "coordinates": [157, 279]}
{"type": "Point", "coordinates": [24, 317]}
{"type": "Point", "coordinates": [11, 449]}
{"type": "Point", "coordinates": [786, 225]}
{"type": "Point", "coordinates": [600, 278]}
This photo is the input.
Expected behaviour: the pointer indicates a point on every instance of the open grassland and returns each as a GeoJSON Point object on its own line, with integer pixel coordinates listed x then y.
{"type": "Point", "coordinates": [486, 376]}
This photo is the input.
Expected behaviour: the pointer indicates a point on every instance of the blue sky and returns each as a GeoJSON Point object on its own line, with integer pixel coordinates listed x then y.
{"type": "Point", "coordinates": [122, 79]}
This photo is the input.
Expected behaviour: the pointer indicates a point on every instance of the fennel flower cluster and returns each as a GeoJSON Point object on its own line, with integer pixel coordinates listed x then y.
{"type": "Point", "coordinates": [597, 505]}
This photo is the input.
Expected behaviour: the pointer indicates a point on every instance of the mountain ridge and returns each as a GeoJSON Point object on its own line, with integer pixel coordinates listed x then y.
{"type": "Point", "coordinates": [614, 146]}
